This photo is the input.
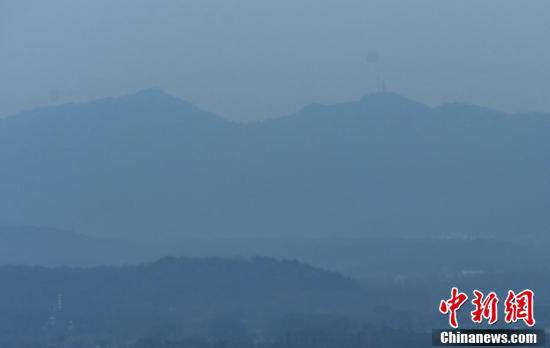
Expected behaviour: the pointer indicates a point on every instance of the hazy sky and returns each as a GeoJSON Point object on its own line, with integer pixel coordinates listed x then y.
{"type": "Point", "coordinates": [248, 59]}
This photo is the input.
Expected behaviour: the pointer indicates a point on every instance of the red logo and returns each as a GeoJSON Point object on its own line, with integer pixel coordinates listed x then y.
{"type": "Point", "coordinates": [485, 307]}
{"type": "Point", "coordinates": [518, 306]}
{"type": "Point", "coordinates": [452, 305]}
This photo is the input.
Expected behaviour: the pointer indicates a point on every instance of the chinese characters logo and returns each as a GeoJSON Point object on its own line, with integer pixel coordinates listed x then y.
{"type": "Point", "coordinates": [517, 306]}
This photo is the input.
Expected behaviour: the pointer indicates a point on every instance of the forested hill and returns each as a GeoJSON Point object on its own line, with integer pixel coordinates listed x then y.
{"type": "Point", "coordinates": [189, 292]}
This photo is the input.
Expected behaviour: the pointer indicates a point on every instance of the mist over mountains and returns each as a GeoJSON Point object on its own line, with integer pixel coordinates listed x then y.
{"type": "Point", "coordinates": [390, 198]}
{"type": "Point", "coordinates": [24, 245]}
{"type": "Point", "coordinates": [152, 168]}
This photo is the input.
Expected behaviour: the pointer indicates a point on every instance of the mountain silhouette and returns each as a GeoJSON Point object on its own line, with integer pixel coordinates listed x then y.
{"type": "Point", "coordinates": [130, 299]}
{"type": "Point", "coordinates": [154, 168]}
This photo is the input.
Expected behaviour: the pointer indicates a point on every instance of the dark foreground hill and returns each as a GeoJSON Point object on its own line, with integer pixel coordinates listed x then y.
{"type": "Point", "coordinates": [185, 293]}
{"type": "Point", "coordinates": [233, 303]}
{"type": "Point", "coordinates": [154, 168]}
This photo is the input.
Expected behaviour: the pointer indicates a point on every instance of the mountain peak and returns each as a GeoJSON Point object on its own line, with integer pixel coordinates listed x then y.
{"type": "Point", "coordinates": [381, 103]}
{"type": "Point", "coordinates": [390, 100]}
{"type": "Point", "coordinates": [151, 103]}
{"type": "Point", "coordinates": [155, 97]}
{"type": "Point", "coordinates": [153, 92]}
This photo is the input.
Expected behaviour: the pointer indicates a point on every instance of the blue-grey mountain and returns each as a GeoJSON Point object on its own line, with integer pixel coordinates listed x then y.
{"type": "Point", "coordinates": [154, 168]}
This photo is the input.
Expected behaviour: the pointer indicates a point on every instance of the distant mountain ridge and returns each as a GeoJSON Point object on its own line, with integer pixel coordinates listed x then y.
{"type": "Point", "coordinates": [151, 167]}
{"type": "Point", "coordinates": [25, 245]}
